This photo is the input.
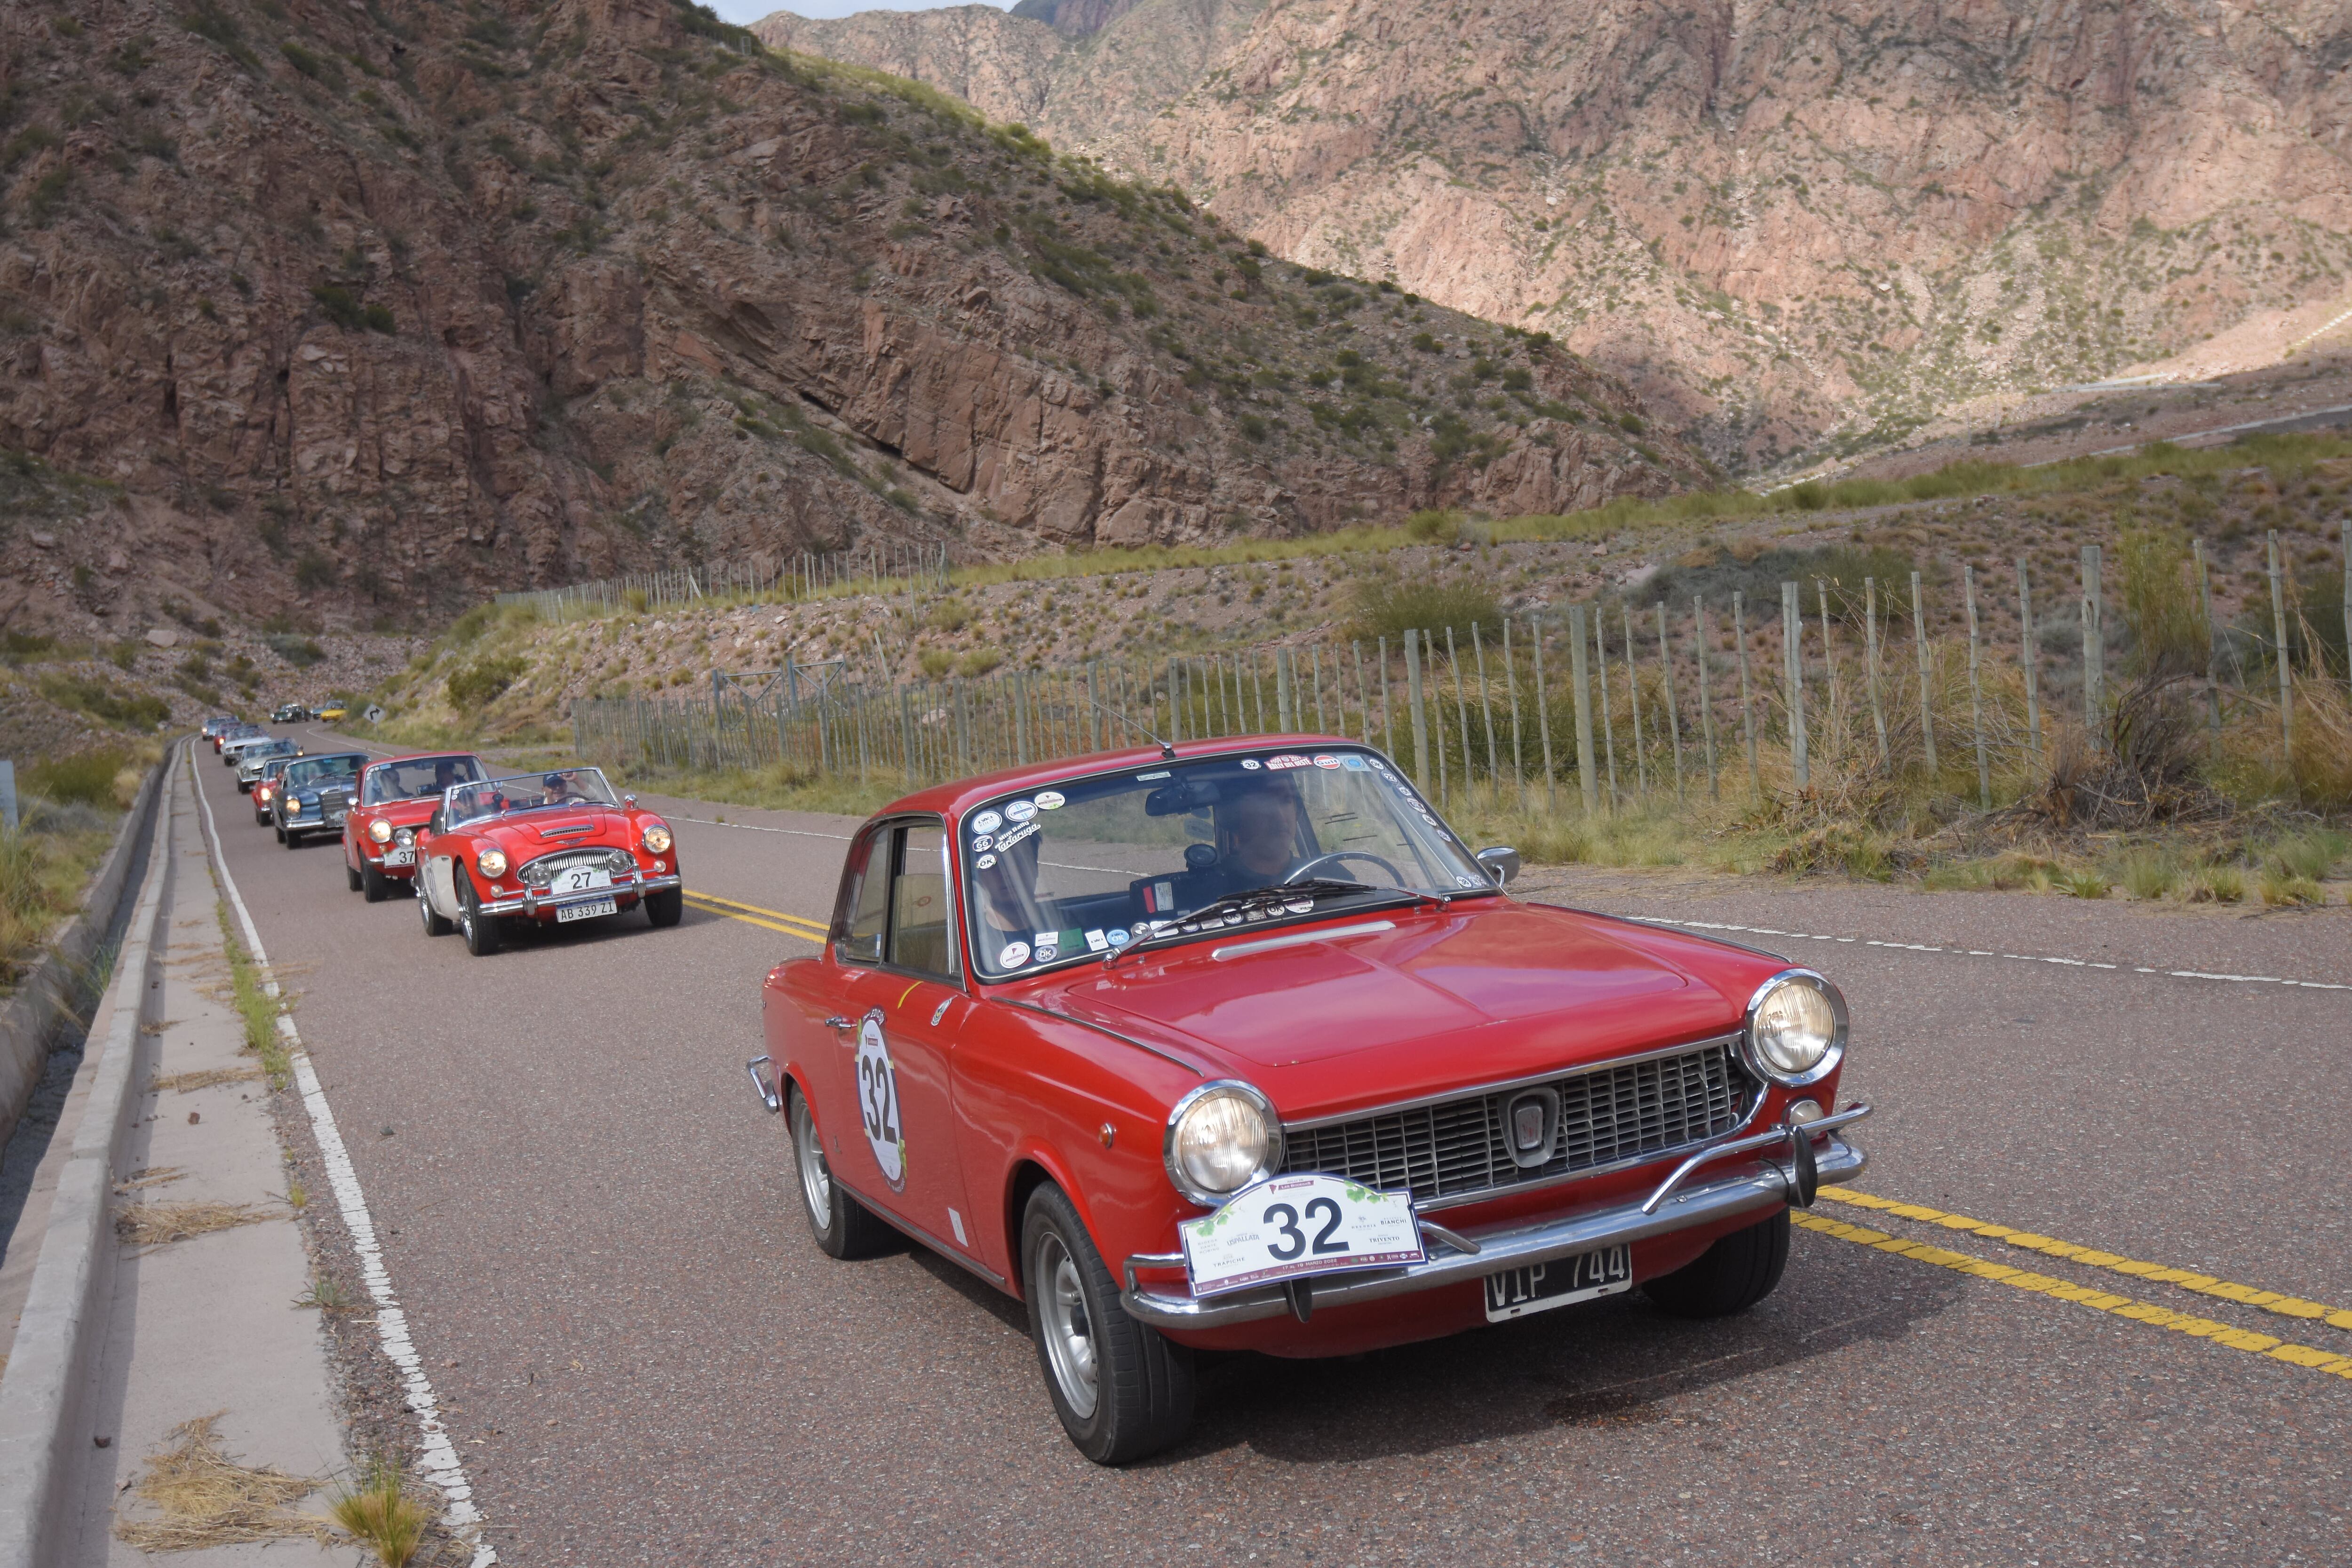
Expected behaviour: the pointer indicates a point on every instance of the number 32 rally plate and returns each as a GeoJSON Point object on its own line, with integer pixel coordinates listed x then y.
{"type": "Point", "coordinates": [1291, 1225]}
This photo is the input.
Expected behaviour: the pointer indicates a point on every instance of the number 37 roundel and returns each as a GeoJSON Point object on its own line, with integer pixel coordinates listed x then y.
{"type": "Point", "coordinates": [877, 1101]}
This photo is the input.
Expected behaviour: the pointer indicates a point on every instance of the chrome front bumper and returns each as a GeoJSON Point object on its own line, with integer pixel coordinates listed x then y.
{"type": "Point", "coordinates": [1458, 1258]}
{"type": "Point", "coordinates": [537, 903]}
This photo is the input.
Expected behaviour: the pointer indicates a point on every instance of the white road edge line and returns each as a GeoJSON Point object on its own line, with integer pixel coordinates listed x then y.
{"type": "Point", "coordinates": [1978, 952]}
{"type": "Point", "coordinates": [441, 1463]}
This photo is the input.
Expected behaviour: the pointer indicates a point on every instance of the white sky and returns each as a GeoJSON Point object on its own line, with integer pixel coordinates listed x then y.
{"type": "Point", "coordinates": [745, 12]}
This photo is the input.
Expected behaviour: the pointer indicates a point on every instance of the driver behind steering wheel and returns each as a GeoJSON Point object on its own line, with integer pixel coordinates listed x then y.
{"type": "Point", "coordinates": [1257, 839]}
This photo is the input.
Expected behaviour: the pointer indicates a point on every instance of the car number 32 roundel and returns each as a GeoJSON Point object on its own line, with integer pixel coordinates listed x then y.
{"type": "Point", "coordinates": [877, 1101]}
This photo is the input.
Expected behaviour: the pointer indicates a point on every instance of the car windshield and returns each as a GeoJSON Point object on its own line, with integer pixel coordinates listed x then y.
{"type": "Point", "coordinates": [529, 791]}
{"type": "Point", "coordinates": [418, 777]}
{"type": "Point", "coordinates": [274, 748]}
{"type": "Point", "coordinates": [1095, 863]}
{"type": "Point", "coordinates": [316, 773]}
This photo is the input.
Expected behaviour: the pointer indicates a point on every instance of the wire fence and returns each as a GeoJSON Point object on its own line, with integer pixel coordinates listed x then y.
{"type": "Point", "coordinates": [1609, 707]}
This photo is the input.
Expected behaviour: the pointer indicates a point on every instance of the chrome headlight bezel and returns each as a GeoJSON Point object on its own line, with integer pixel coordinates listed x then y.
{"type": "Point", "coordinates": [380, 830]}
{"type": "Point", "coordinates": [658, 838]}
{"type": "Point", "coordinates": [1751, 1055]}
{"type": "Point", "coordinates": [1269, 1158]}
{"type": "Point", "coordinates": [491, 862]}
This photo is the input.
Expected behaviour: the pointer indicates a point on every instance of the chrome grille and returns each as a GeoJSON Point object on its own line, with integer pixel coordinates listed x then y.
{"type": "Point", "coordinates": [540, 872]}
{"type": "Point", "coordinates": [1608, 1116]}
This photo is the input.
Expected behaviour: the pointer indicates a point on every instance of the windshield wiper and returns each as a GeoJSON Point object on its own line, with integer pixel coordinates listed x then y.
{"type": "Point", "coordinates": [1210, 917]}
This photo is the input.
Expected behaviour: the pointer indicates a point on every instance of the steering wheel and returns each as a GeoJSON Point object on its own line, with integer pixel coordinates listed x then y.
{"type": "Point", "coordinates": [1396, 877]}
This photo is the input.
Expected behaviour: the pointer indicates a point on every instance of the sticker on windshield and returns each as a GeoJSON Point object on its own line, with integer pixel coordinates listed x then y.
{"type": "Point", "coordinates": [1097, 940]}
{"type": "Point", "coordinates": [1351, 761]}
{"type": "Point", "coordinates": [1117, 936]}
{"type": "Point", "coordinates": [1020, 811]}
{"type": "Point", "coordinates": [1049, 800]}
{"type": "Point", "coordinates": [984, 862]}
{"type": "Point", "coordinates": [1288, 760]}
{"type": "Point", "coordinates": [1015, 955]}
{"type": "Point", "coordinates": [1011, 836]}
{"type": "Point", "coordinates": [1252, 763]}
{"type": "Point", "coordinates": [987, 822]}
{"type": "Point", "coordinates": [983, 841]}
{"type": "Point", "coordinates": [1147, 778]}
{"type": "Point", "coordinates": [877, 1101]}
{"type": "Point", "coordinates": [1462, 881]}
{"type": "Point", "coordinates": [1326, 760]}
{"type": "Point", "coordinates": [1047, 954]}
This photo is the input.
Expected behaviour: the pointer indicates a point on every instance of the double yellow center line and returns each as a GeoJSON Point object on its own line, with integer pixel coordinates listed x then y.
{"type": "Point", "coordinates": [2332, 1362]}
{"type": "Point", "coordinates": [753, 914]}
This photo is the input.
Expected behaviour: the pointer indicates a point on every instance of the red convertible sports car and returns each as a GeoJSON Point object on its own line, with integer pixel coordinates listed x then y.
{"type": "Point", "coordinates": [1238, 1047]}
{"type": "Point", "coordinates": [396, 799]}
{"type": "Point", "coordinates": [553, 847]}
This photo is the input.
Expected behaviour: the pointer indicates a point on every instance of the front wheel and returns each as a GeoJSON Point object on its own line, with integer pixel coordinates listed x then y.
{"type": "Point", "coordinates": [481, 931]}
{"type": "Point", "coordinates": [288, 838]}
{"type": "Point", "coordinates": [375, 886]}
{"type": "Point", "coordinates": [1739, 1270]}
{"type": "Point", "coordinates": [433, 924]}
{"type": "Point", "coordinates": [353, 879]}
{"type": "Point", "coordinates": [843, 1228]}
{"type": "Point", "coordinates": [1122, 1390]}
{"type": "Point", "coordinates": [276, 827]}
{"type": "Point", "coordinates": [666, 907]}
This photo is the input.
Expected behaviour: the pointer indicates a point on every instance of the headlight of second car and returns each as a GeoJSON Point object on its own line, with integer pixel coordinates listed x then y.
{"type": "Point", "coordinates": [1796, 1028]}
{"type": "Point", "coordinates": [380, 830]}
{"type": "Point", "coordinates": [493, 862]}
{"type": "Point", "coordinates": [1221, 1137]}
{"type": "Point", "coordinates": [657, 839]}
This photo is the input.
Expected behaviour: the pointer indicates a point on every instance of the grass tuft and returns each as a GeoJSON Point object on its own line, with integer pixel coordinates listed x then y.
{"type": "Point", "coordinates": [259, 1008]}
{"type": "Point", "coordinates": [381, 1512]}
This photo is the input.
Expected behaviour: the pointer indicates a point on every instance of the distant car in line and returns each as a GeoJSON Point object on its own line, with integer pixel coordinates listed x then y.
{"type": "Point", "coordinates": [397, 798]}
{"type": "Point", "coordinates": [265, 789]}
{"type": "Point", "coordinates": [314, 793]}
{"type": "Point", "coordinates": [332, 713]}
{"type": "Point", "coordinates": [290, 714]}
{"type": "Point", "coordinates": [232, 736]}
{"type": "Point", "coordinates": [554, 847]}
{"type": "Point", "coordinates": [250, 757]}
{"type": "Point", "coordinates": [1235, 1046]}
{"type": "Point", "coordinates": [214, 726]}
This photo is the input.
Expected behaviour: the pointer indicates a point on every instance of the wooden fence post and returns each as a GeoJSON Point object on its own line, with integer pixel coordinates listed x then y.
{"type": "Point", "coordinates": [2030, 658]}
{"type": "Point", "coordinates": [2094, 650]}
{"type": "Point", "coordinates": [1870, 669]}
{"type": "Point", "coordinates": [2286, 667]}
{"type": "Point", "coordinates": [1705, 700]}
{"type": "Point", "coordinates": [1580, 674]}
{"type": "Point", "coordinates": [1363, 692]}
{"type": "Point", "coordinates": [1792, 679]}
{"type": "Point", "coordinates": [1511, 686]}
{"type": "Point", "coordinates": [1747, 692]}
{"type": "Point", "coordinates": [1634, 699]}
{"type": "Point", "coordinates": [1388, 722]}
{"type": "Point", "coordinates": [1927, 695]}
{"type": "Point", "coordinates": [1674, 709]}
{"type": "Point", "coordinates": [1412, 701]}
{"type": "Point", "coordinates": [1485, 710]}
{"type": "Point", "coordinates": [1976, 693]}
{"type": "Point", "coordinates": [1608, 722]}
{"type": "Point", "coordinates": [1461, 714]}
{"type": "Point", "coordinates": [2212, 651]}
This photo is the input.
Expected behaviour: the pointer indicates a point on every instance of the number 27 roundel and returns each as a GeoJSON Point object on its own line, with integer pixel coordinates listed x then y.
{"type": "Point", "coordinates": [877, 1101]}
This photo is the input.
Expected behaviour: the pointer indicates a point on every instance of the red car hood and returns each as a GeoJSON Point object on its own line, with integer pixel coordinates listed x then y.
{"type": "Point", "coordinates": [528, 835]}
{"type": "Point", "coordinates": [404, 813]}
{"type": "Point", "coordinates": [1437, 1002]}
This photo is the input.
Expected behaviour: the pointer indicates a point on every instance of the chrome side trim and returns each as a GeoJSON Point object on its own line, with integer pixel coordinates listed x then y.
{"type": "Point", "coordinates": [952, 1254]}
{"type": "Point", "coordinates": [1300, 939]}
{"type": "Point", "coordinates": [1730, 1197]}
{"type": "Point", "coordinates": [1553, 1075]}
{"type": "Point", "coordinates": [1780, 1134]}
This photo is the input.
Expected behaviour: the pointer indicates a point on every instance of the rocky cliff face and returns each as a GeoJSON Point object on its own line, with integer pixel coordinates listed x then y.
{"type": "Point", "coordinates": [1801, 226]}
{"type": "Point", "coordinates": [321, 310]}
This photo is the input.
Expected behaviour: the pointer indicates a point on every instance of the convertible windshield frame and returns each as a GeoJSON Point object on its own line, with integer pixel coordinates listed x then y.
{"type": "Point", "coordinates": [1424, 834]}
{"type": "Point", "coordinates": [537, 782]}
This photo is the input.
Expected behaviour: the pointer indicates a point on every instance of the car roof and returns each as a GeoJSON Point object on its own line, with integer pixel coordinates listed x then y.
{"type": "Point", "coordinates": [424, 757]}
{"type": "Point", "coordinates": [959, 795]}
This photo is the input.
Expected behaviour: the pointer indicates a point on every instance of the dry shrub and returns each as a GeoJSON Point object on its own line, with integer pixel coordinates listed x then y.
{"type": "Point", "coordinates": [204, 1078]}
{"type": "Point", "coordinates": [384, 1514]}
{"type": "Point", "coordinates": [205, 1499]}
{"type": "Point", "coordinates": [159, 1224]}
{"type": "Point", "coordinates": [2148, 772]}
{"type": "Point", "coordinates": [150, 1176]}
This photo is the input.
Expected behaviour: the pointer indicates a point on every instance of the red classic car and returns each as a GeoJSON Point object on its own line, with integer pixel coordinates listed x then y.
{"type": "Point", "coordinates": [1238, 1047]}
{"type": "Point", "coordinates": [396, 800]}
{"type": "Point", "coordinates": [265, 789]}
{"type": "Point", "coordinates": [553, 847]}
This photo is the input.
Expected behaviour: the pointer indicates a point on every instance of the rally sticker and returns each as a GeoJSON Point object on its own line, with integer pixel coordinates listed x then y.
{"type": "Point", "coordinates": [877, 1101]}
{"type": "Point", "coordinates": [1011, 836]}
{"type": "Point", "coordinates": [1021, 811]}
{"type": "Point", "coordinates": [1097, 940]}
{"type": "Point", "coordinates": [1015, 955]}
{"type": "Point", "coordinates": [983, 841]}
{"type": "Point", "coordinates": [1288, 760]}
{"type": "Point", "coordinates": [987, 822]}
{"type": "Point", "coordinates": [1252, 763]}
{"type": "Point", "coordinates": [1326, 760]}
{"type": "Point", "coordinates": [985, 861]}
{"type": "Point", "coordinates": [1117, 936]}
{"type": "Point", "coordinates": [1147, 778]}
{"type": "Point", "coordinates": [1352, 762]}
{"type": "Point", "coordinates": [1049, 800]}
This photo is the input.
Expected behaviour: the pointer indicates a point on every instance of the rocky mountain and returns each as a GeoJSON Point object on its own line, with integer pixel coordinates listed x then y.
{"type": "Point", "coordinates": [348, 312]}
{"type": "Point", "coordinates": [1801, 227]}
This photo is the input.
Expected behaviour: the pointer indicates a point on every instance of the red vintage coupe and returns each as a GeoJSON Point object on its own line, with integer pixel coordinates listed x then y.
{"type": "Point", "coordinates": [1238, 1047]}
{"type": "Point", "coordinates": [551, 847]}
{"type": "Point", "coordinates": [397, 798]}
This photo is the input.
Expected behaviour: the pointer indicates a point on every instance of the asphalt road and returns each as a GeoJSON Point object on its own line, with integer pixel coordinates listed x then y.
{"type": "Point", "coordinates": [646, 1360]}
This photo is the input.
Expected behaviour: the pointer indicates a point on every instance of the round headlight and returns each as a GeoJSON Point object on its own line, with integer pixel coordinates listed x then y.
{"type": "Point", "coordinates": [657, 839]}
{"type": "Point", "coordinates": [405, 838]}
{"type": "Point", "coordinates": [1796, 1028]}
{"type": "Point", "coordinates": [1221, 1137]}
{"type": "Point", "coordinates": [380, 830]}
{"type": "Point", "coordinates": [493, 862]}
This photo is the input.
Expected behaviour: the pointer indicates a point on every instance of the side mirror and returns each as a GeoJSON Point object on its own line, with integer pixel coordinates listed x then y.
{"type": "Point", "coordinates": [1501, 864]}
{"type": "Point", "coordinates": [629, 802]}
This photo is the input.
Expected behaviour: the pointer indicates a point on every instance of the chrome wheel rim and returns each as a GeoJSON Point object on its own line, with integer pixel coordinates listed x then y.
{"type": "Point", "coordinates": [1069, 1331]}
{"type": "Point", "coordinates": [816, 1181]}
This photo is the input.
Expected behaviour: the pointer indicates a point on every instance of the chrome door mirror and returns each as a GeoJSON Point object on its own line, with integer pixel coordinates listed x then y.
{"type": "Point", "coordinates": [1501, 864]}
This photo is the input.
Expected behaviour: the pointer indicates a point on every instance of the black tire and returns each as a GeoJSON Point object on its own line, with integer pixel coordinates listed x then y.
{"type": "Point", "coordinates": [481, 931]}
{"type": "Point", "coordinates": [665, 908]}
{"type": "Point", "coordinates": [1137, 1384]}
{"type": "Point", "coordinates": [278, 828]}
{"type": "Point", "coordinates": [352, 879]}
{"type": "Point", "coordinates": [1739, 1270]}
{"type": "Point", "coordinates": [288, 838]}
{"type": "Point", "coordinates": [243, 788]}
{"type": "Point", "coordinates": [375, 886]}
{"type": "Point", "coordinates": [843, 1226]}
{"type": "Point", "coordinates": [433, 924]}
